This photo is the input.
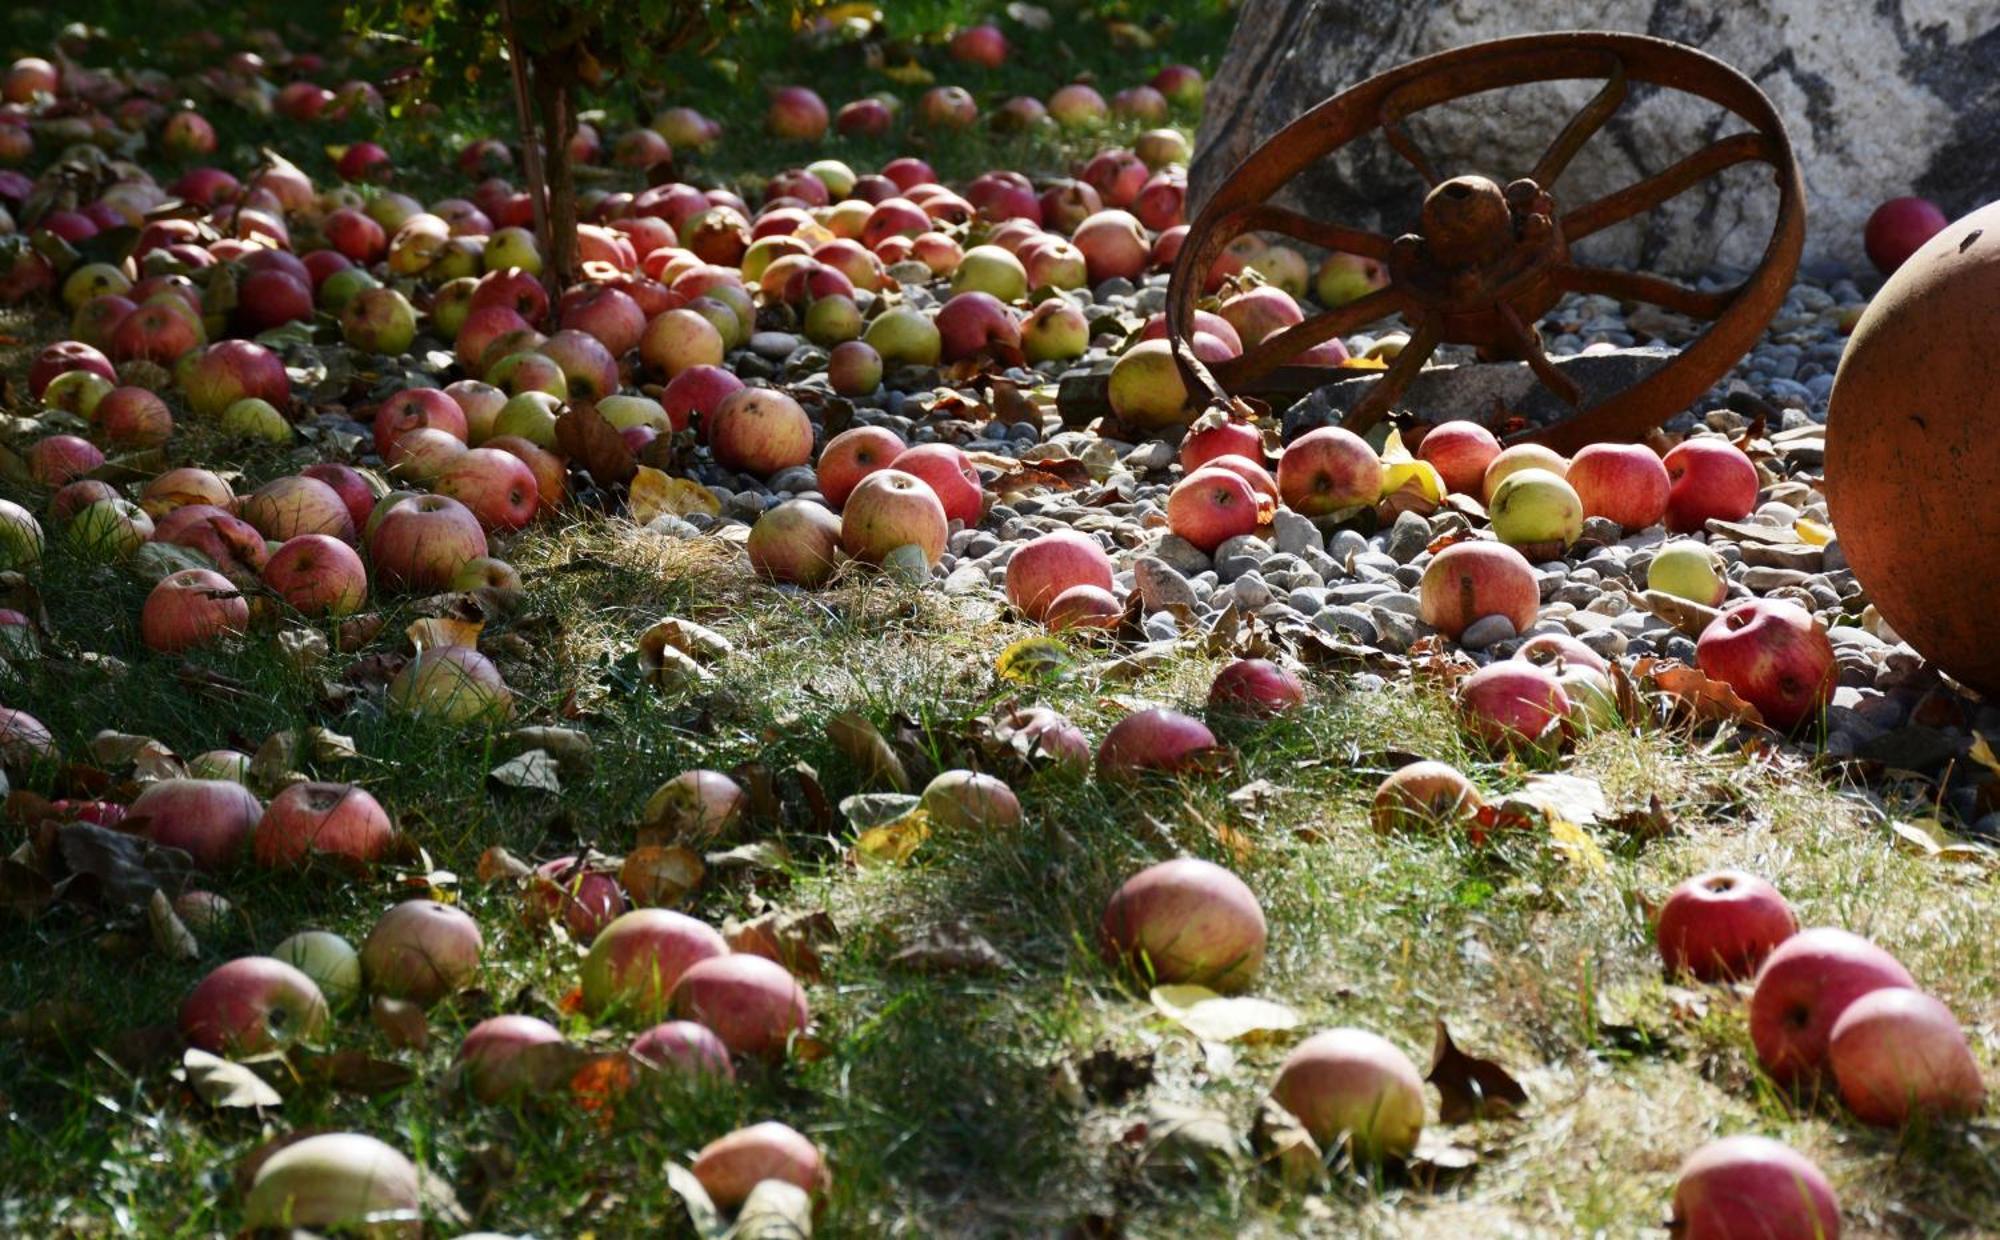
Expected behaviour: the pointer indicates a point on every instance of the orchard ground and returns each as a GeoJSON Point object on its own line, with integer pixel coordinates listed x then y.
{"type": "Point", "coordinates": [1033, 1094]}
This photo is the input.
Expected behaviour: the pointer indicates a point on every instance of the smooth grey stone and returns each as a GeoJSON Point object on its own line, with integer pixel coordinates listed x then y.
{"type": "Point", "coordinates": [1351, 621]}
{"type": "Point", "coordinates": [1160, 585]}
{"type": "Point", "coordinates": [1487, 631]}
{"type": "Point", "coordinates": [1408, 537]}
{"type": "Point", "coordinates": [1296, 534]}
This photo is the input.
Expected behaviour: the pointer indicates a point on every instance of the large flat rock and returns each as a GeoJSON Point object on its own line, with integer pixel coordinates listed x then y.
{"type": "Point", "coordinates": [1485, 392]}
{"type": "Point", "coordinates": [1893, 97]}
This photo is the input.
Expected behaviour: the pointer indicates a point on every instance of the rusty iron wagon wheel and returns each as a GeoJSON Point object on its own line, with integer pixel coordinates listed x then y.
{"type": "Point", "coordinates": [1492, 258]}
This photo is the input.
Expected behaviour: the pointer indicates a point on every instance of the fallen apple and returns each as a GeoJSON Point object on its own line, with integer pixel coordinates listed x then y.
{"type": "Point", "coordinates": [1424, 796]}
{"type": "Point", "coordinates": [422, 951]}
{"type": "Point", "coordinates": [753, 1004]}
{"type": "Point", "coordinates": [251, 1005]}
{"type": "Point", "coordinates": [1899, 1055]}
{"type": "Point", "coordinates": [1804, 986]}
{"type": "Point", "coordinates": [730, 1166]}
{"type": "Point", "coordinates": [1356, 1083]}
{"type": "Point", "coordinates": [1185, 920]}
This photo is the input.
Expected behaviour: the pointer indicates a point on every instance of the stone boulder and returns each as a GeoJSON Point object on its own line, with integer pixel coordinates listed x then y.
{"type": "Point", "coordinates": [1897, 97]}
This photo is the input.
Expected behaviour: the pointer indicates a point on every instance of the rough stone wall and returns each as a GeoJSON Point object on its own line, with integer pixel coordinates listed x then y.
{"type": "Point", "coordinates": [1881, 97]}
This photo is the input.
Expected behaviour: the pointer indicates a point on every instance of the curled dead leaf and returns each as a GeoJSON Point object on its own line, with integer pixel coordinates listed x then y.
{"type": "Point", "coordinates": [660, 877]}
{"type": "Point", "coordinates": [1470, 1087]}
{"type": "Point", "coordinates": [863, 744]}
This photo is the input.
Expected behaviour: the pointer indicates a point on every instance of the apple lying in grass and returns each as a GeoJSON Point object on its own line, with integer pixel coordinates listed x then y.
{"type": "Point", "coordinates": [1749, 1186]}
{"type": "Point", "coordinates": [697, 806]}
{"type": "Point", "coordinates": [684, 1046]}
{"type": "Point", "coordinates": [1037, 731]}
{"type": "Point", "coordinates": [1471, 580]}
{"type": "Point", "coordinates": [251, 1005]}
{"type": "Point", "coordinates": [1775, 655]}
{"type": "Point", "coordinates": [451, 685]}
{"type": "Point", "coordinates": [1328, 470]}
{"type": "Point", "coordinates": [753, 1004]}
{"type": "Point", "coordinates": [333, 820]}
{"type": "Point", "coordinates": [730, 1166]}
{"type": "Point", "coordinates": [209, 819]}
{"type": "Point", "coordinates": [584, 899]}
{"type": "Point", "coordinates": [635, 962]}
{"type": "Point", "coordinates": [421, 950]}
{"type": "Point", "coordinates": [318, 575]}
{"type": "Point", "coordinates": [493, 1056]}
{"type": "Point", "coordinates": [1511, 703]}
{"type": "Point", "coordinates": [1084, 607]}
{"type": "Point", "coordinates": [1722, 925]}
{"type": "Point", "coordinates": [422, 542]}
{"type": "Point", "coordinates": [329, 960]}
{"type": "Point", "coordinates": [1709, 480]}
{"type": "Point", "coordinates": [1185, 920]}
{"type": "Point", "coordinates": [287, 507]}
{"type": "Point", "coordinates": [1423, 795]}
{"type": "Point", "coordinates": [1255, 687]}
{"type": "Point", "coordinates": [1045, 566]}
{"type": "Point", "coordinates": [337, 1181]}
{"type": "Point", "coordinates": [969, 801]}
{"type": "Point", "coordinates": [795, 542]}
{"type": "Point", "coordinates": [193, 607]}
{"type": "Point", "coordinates": [109, 529]}
{"type": "Point", "coordinates": [1898, 1055]}
{"type": "Point", "coordinates": [1804, 986]}
{"type": "Point", "coordinates": [1154, 740]}
{"type": "Point", "coordinates": [1354, 1082]}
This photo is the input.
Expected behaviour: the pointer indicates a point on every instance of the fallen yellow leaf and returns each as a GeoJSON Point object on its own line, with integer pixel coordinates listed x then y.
{"type": "Point", "coordinates": [1214, 1018]}
{"type": "Point", "coordinates": [657, 494]}
{"type": "Point", "coordinates": [894, 841]}
{"type": "Point", "coordinates": [1813, 532]}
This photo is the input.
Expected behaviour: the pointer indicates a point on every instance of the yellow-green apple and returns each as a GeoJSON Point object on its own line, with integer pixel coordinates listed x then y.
{"type": "Point", "coordinates": [1180, 83]}
{"type": "Point", "coordinates": [1185, 920]}
{"type": "Point", "coordinates": [1047, 565]}
{"type": "Point", "coordinates": [890, 509]}
{"type": "Point", "coordinates": [421, 950]}
{"type": "Point", "coordinates": [329, 960]}
{"type": "Point", "coordinates": [1255, 687]}
{"type": "Point", "coordinates": [685, 1047]}
{"type": "Point", "coordinates": [228, 764]}
{"type": "Point", "coordinates": [1210, 506]}
{"type": "Point", "coordinates": [1146, 389]}
{"type": "Point", "coordinates": [451, 684]}
{"type": "Point", "coordinates": [904, 336]}
{"type": "Point", "coordinates": [20, 537]}
{"type": "Point", "coordinates": [74, 497]}
{"type": "Point", "coordinates": [1157, 148]}
{"type": "Point", "coordinates": [854, 368]}
{"type": "Point", "coordinates": [634, 962]}
{"type": "Point", "coordinates": [730, 1167]}
{"type": "Point", "coordinates": [1055, 331]}
{"type": "Point", "coordinates": [1515, 459]}
{"type": "Point", "coordinates": [795, 542]}
{"type": "Point", "coordinates": [1691, 570]}
{"type": "Point", "coordinates": [1353, 1082]}
{"type": "Point", "coordinates": [833, 320]}
{"type": "Point", "coordinates": [1898, 228]}
{"type": "Point", "coordinates": [759, 431]}
{"type": "Point", "coordinates": [250, 1005]}
{"type": "Point", "coordinates": [589, 370]}
{"type": "Point", "coordinates": [1423, 795]}
{"type": "Point", "coordinates": [851, 456]}
{"type": "Point", "coordinates": [1751, 1186]}
{"type": "Point", "coordinates": [1535, 510]}
{"type": "Point", "coordinates": [526, 371]}
{"type": "Point", "coordinates": [1155, 739]}
{"type": "Point", "coordinates": [209, 819]}
{"type": "Point", "coordinates": [1284, 267]}
{"type": "Point", "coordinates": [451, 305]}
{"type": "Point", "coordinates": [336, 1182]}
{"type": "Point", "coordinates": [1328, 470]}
{"type": "Point", "coordinates": [796, 113]}
{"type": "Point", "coordinates": [680, 339]}
{"type": "Point", "coordinates": [753, 1004]}
{"type": "Point", "coordinates": [1899, 1055]}
{"type": "Point", "coordinates": [697, 392]}
{"type": "Point", "coordinates": [1775, 656]}
{"type": "Point", "coordinates": [949, 473]}
{"type": "Point", "coordinates": [1113, 244]}
{"type": "Point", "coordinates": [379, 320]}
{"type": "Point", "coordinates": [317, 575]}
{"type": "Point", "coordinates": [625, 412]}
{"type": "Point", "coordinates": [287, 507]}
{"type": "Point", "coordinates": [335, 820]}
{"type": "Point", "coordinates": [962, 800]}
{"type": "Point", "coordinates": [420, 543]}
{"type": "Point", "coordinates": [1511, 703]}
{"type": "Point", "coordinates": [1622, 482]}
{"type": "Point", "coordinates": [513, 247]}
{"type": "Point", "coordinates": [109, 529]}
{"type": "Point", "coordinates": [1077, 106]}
{"type": "Point", "coordinates": [991, 270]}
{"type": "Point", "coordinates": [78, 391]}
{"type": "Point", "coordinates": [193, 607]}
{"type": "Point", "coordinates": [1803, 988]}
{"type": "Point", "coordinates": [1722, 925]}
{"type": "Point", "coordinates": [1709, 480]}
{"type": "Point", "coordinates": [497, 487]}
{"type": "Point", "coordinates": [495, 1061]}
{"type": "Point", "coordinates": [252, 418]}
{"type": "Point", "coordinates": [486, 573]}
{"type": "Point", "coordinates": [1347, 277]}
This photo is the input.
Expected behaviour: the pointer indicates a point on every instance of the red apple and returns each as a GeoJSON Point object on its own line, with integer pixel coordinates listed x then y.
{"type": "Point", "coordinates": [1327, 470]}
{"type": "Point", "coordinates": [287, 507]}
{"type": "Point", "coordinates": [1185, 920]}
{"type": "Point", "coordinates": [1210, 506]}
{"type": "Point", "coordinates": [635, 962]}
{"type": "Point", "coordinates": [1898, 1055]}
{"type": "Point", "coordinates": [753, 1004]}
{"type": "Point", "coordinates": [1049, 564]}
{"type": "Point", "coordinates": [497, 487]}
{"type": "Point", "coordinates": [132, 417]}
{"type": "Point", "coordinates": [1722, 925]}
{"type": "Point", "coordinates": [268, 299]}
{"type": "Point", "coordinates": [63, 357]}
{"type": "Point", "coordinates": [890, 509]}
{"type": "Point", "coordinates": [759, 431]}
{"type": "Point", "coordinates": [972, 324]}
{"type": "Point", "coordinates": [1753, 1188]}
{"type": "Point", "coordinates": [949, 473]}
{"type": "Point", "coordinates": [982, 45]}
{"type": "Point", "coordinates": [421, 543]}
{"type": "Point", "coordinates": [414, 409]}
{"type": "Point", "coordinates": [586, 900]}
{"type": "Point", "coordinates": [350, 484]}
{"type": "Point", "coordinates": [57, 459]}
{"type": "Point", "coordinates": [731, 1166]}
{"type": "Point", "coordinates": [495, 1060]}
{"type": "Point", "coordinates": [1898, 228]}
{"type": "Point", "coordinates": [1710, 479]}
{"type": "Point", "coordinates": [1352, 1082]}
{"type": "Point", "coordinates": [1774, 655]}
{"type": "Point", "coordinates": [1154, 740]}
{"type": "Point", "coordinates": [697, 391]}
{"type": "Point", "coordinates": [865, 118]}
{"type": "Point", "coordinates": [1470, 580]}
{"type": "Point", "coordinates": [193, 607]}
{"type": "Point", "coordinates": [685, 1046]}
{"type": "Point", "coordinates": [1513, 703]}
{"type": "Point", "coordinates": [1548, 649]}
{"type": "Point", "coordinates": [1255, 687]}
{"type": "Point", "coordinates": [1084, 607]}
{"type": "Point", "coordinates": [209, 819]}
{"type": "Point", "coordinates": [1113, 245]}
{"type": "Point", "coordinates": [421, 950]}
{"type": "Point", "coordinates": [795, 542]}
{"type": "Point", "coordinates": [1806, 983]}
{"type": "Point", "coordinates": [851, 456]}
{"type": "Point", "coordinates": [1423, 795]}
{"type": "Point", "coordinates": [318, 575]}
{"type": "Point", "coordinates": [251, 1005]}
{"type": "Point", "coordinates": [797, 114]}
{"type": "Point", "coordinates": [338, 820]}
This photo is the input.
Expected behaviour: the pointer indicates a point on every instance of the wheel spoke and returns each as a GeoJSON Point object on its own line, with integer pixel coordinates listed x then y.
{"type": "Point", "coordinates": [1582, 127]}
{"type": "Point", "coordinates": [1530, 348]}
{"type": "Point", "coordinates": [1636, 286]}
{"type": "Point", "coordinates": [1280, 347]}
{"type": "Point", "coordinates": [1677, 179]}
{"type": "Point", "coordinates": [1394, 109]}
{"type": "Point", "coordinates": [1376, 403]}
{"type": "Point", "coordinates": [1361, 241]}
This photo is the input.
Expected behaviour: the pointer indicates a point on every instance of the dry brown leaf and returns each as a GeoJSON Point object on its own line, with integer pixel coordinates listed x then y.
{"type": "Point", "coordinates": [170, 934]}
{"type": "Point", "coordinates": [586, 438]}
{"type": "Point", "coordinates": [863, 744]}
{"type": "Point", "coordinates": [402, 1023]}
{"type": "Point", "coordinates": [951, 948]}
{"type": "Point", "coordinates": [496, 864]}
{"type": "Point", "coordinates": [793, 939]}
{"type": "Point", "coordinates": [1470, 1087]}
{"type": "Point", "coordinates": [439, 631]}
{"type": "Point", "coordinates": [660, 877]}
{"type": "Point", "coordinates": [1282, 1142]}
{"type": "Point", "coordinates": [1703, 700]}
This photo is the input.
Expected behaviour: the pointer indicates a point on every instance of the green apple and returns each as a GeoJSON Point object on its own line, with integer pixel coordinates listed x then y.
{"type": "Point", "coordinates": [1688, 569]}
{"type": "Point", "coordinates": [838, 178]}
{"type": "Point", "coordinates": [990, 269]}
{"type": "Point", "coordinates": [1535, 508]}
{"type": "Point", "coordinates": [251, 418]}
{"type": "Point", "coordinates": [20, 536]}
{"type": "Point", "coordinates": [110, 529]}
{"type": "Point", "coordinates": [532, 416]}
{"type": "Point", "coordinates": [513, 247]}
{"type": "Point", "coordinates": [905, 337]}
{"type": "Point", "coordinates": [831, 320]}
{"type": "Point", "coordinates": [1146, 387]}
{"type": "Point", "coordinates": [344, 286]}
{"type": "Point", "coordinates": [1347, 277]}
{"type": "Point", "coordinates": [625, 412]}
{"type": "Point", "coordinates": [1593, 703]}
{"type": "Point", "coordinates": [1055, 332]}
{"type": "Point", "coordinates": [326, 958]}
